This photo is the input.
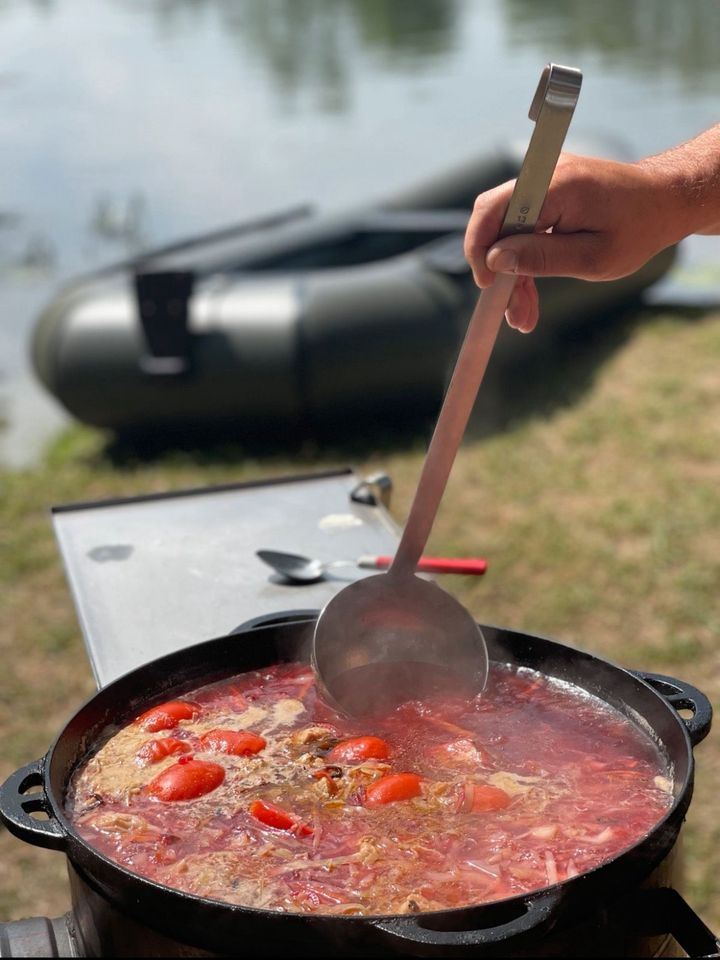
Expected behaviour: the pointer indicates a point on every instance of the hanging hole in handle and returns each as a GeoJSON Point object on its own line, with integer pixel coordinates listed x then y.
{"type": "Point", "coordinates": [31, 796]}
{"type": "Point", "coordinates": [33, 788]}
{"type": "Point", "coordinates": [684, 707]}
{"type": "Point", "coordinates": [662, 685]}
{"type": "Point", "coordinates": [34, 802]}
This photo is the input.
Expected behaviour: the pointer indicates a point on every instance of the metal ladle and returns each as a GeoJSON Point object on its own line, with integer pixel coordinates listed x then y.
{"type": "Point", "coordinates": [393, 637]}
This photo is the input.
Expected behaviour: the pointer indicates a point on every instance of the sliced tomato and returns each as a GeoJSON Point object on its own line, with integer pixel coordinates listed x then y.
{"type": "Point", "coordinates": [168, 715]}
{"type": "Point", "coordinates": [394, 787]}
{"type": "Point", "coordinates": [481, 797]}
{"type": "Point", "coordinates": [155, 750]}
{"type": "Point", "coordinates": [240, 743]}
{"type": "Point", "coordinates": [273, 816]}
{"type": "Point", "coordinates": [359, 749]}
{"type": "Point", "coordinates": [186, 780]}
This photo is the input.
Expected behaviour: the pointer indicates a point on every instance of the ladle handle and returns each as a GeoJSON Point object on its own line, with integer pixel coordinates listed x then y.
{"type": "Point", "coordinates": [452, 421]}
{"type": "Point", "coordinates": [551, 109]}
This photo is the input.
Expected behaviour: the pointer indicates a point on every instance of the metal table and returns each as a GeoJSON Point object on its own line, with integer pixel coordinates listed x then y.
{"type": "Point", "coordinates": [153, 574]}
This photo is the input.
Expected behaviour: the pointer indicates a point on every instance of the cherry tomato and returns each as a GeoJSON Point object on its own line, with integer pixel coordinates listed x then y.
{"type": "Point", "coordinates": [359, 749]}
{"type": "Point", "coordinates": [273, 816]}
{"type": "Point", "coordinates": [168, 715]}
{"type": "Point", "coordinates": [483, 797]}
{"type": "Point", "coordinates": [396, 786]}
{"type": "Point", "coordinates": [240, 743]}
{"type": "Point", "coordinates": [186, 780]}
{"type": "Point", "coordinates": [155, 750]}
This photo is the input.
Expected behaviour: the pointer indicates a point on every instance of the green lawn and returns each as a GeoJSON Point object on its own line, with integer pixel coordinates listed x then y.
{"type": "Point", "coordinates": [590, 480]}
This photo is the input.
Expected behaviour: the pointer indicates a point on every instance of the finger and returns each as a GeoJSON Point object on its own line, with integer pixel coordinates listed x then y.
{"type": "Point", "coordinates": [549, 255]}
{"type": "Point", "coordinates": [483, 229]}
{"type": "Point", "coordinates": [524, 307]}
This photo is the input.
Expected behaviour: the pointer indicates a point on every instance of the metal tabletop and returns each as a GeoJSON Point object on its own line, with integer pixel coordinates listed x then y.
{"type": "Point", "coordinates": [153, 574]}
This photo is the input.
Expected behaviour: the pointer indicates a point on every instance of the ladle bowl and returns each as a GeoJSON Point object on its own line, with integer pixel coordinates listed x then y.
{"type": "Point", "coordinates": [396, 637]}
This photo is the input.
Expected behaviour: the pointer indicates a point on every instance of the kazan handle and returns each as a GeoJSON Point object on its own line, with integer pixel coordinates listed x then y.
{"type": "Point", "coordinates": [683, 696]}
{"type": "Point", "coordinates": [17, 805]}
{"type": "Point", "coordinates": [474, 566]}
{"type": "Point", "coordinates": [418, 931]}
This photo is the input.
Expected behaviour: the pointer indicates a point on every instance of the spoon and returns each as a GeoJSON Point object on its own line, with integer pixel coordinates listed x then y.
{"type": "Point", "coordinates": [386, 639]}
{"type": "Point", "coordinates": [304, 570]}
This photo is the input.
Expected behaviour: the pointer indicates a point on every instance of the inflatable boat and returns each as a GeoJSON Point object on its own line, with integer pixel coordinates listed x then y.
{"type": "Point", "coordinates": [290, 319]}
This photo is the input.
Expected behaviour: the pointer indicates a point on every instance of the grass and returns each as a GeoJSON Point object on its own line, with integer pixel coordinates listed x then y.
{"type": "Point", "coordinates": [593, 487]}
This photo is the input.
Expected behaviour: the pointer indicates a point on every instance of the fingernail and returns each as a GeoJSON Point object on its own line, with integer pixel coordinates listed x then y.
{"type": "Point", "coordinates": [502, 261]}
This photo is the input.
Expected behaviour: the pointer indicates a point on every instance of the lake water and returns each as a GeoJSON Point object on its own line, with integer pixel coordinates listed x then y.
{"type": "Point", "coordinates": [126, 123]}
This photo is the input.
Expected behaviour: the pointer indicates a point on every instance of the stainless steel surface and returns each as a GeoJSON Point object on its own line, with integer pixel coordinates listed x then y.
{"type": "Point", "coordinates": [552, 109]}
{"type": "Point", "coordinates": [367, 623]}
{"type": "Point", "coordinates": [153, 574]}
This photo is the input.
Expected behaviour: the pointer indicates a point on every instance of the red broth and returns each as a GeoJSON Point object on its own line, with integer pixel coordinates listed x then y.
{"type": "Point", "coordinates": [257, 793]}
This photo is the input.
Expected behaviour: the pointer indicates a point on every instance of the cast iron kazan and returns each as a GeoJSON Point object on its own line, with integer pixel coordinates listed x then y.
{"type": "Point", "coordinates": [618, 909]}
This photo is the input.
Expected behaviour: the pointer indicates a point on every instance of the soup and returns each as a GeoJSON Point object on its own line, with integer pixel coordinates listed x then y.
{"type": "Point", "coordinates": [251, 790]}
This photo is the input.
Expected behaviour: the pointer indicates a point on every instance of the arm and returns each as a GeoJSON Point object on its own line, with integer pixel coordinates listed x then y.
{"type": "Point", "coordinates": [601, 220]}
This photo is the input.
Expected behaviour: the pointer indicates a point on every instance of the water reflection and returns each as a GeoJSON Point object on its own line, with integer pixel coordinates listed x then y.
{"type": "Point", "coordinates": [417, 27]}
{"type": "Point", "coordinates": [116, 227]}
{"type": "Point", "coordinates": [649, 36]}
{"type": "Point", "coordinates": [24, 252]}
{"type": "Point", "coordinates": [311, 43]}
{"type": "Point", "coordinates": [43, 7]}
{"type": "Point", "coordinates": [120, 220]}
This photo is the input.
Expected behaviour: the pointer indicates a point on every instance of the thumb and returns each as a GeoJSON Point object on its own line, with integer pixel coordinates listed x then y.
{"type": "Point", "coordinates": [547, 255]}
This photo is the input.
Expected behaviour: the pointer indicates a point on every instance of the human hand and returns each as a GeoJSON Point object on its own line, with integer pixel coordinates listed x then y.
{"type": "Point", "coordinates": [601, 220]}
